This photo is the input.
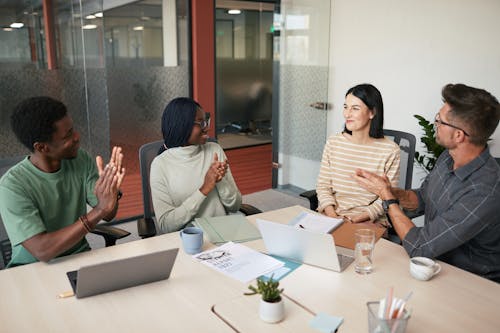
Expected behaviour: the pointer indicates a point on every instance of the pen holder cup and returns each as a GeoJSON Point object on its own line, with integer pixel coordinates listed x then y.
{"type": "Point", "coordinates": [379, 325]}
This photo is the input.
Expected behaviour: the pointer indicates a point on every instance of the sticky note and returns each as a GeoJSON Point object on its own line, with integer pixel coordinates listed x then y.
{"type": "Point", "coordinates": [326, 323]}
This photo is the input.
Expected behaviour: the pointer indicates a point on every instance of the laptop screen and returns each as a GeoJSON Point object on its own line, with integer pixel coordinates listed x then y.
{"type": "Point", "coordinates": [123, 273]}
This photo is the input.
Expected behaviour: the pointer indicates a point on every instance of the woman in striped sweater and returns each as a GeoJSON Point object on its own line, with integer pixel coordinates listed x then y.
{"type": "Point", "coordinates": [361, 145]}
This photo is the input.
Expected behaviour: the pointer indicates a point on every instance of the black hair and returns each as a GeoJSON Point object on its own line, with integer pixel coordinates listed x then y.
{"type": "Point", "coordinates": [373, 100]}
{"type": "Point", "coordinates": [476, 109]}
{"type": "Point", "coordinates": [177, 121]}
{"type": "Point", "coordinates": [33, 120]}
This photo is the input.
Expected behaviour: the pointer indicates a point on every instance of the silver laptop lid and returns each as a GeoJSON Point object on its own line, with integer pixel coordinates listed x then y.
{"type": "Point", "coordinates": [124, 273]}
{"type": "Point", "coordinates": [312, 248]}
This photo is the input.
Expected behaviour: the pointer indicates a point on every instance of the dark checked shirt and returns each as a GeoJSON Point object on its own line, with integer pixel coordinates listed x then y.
{"type": "Point", "coordinates": [462, 216]}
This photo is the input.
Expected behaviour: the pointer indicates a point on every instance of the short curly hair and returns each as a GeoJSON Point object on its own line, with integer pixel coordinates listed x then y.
{"type": "Point", "coordinates": [33, 120]}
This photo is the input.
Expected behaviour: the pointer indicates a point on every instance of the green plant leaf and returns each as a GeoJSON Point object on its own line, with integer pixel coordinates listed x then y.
{"type": "Point", "coordinates": [433, 149]}
{"type": "Point", "coordinates": [269, 290]}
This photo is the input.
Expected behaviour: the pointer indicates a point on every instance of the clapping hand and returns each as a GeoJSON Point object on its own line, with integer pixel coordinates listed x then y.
{"type": "Point", "coordinates": [110, 179]}
{"type": "Point", "coordinates": [215, 173]}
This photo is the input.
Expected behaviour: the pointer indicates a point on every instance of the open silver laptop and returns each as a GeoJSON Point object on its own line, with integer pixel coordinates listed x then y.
{"type": "Point", "coordinates": [123, 273]}
{"type": "Point", "coordinates": [301, 245]}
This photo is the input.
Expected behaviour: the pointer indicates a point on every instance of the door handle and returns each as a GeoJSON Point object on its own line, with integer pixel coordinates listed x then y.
{"type": "Point", "coordinates": [320, 105]}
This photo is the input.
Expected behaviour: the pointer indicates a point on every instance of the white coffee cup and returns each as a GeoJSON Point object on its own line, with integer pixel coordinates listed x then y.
{"type": "Point", "coordinates": [423, 269]}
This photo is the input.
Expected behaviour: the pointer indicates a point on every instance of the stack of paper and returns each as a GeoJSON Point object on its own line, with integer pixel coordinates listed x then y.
{"type": "Point", "coordinates": [313, 222]}
{"type": "Point", "coordinates": [229, 228]}
{"type": "Point", "coordinates": [238, 261]}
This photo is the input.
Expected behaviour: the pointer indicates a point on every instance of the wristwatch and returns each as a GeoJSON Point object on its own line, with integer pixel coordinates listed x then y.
{"type": "Point", "coordinates": [387, 203]}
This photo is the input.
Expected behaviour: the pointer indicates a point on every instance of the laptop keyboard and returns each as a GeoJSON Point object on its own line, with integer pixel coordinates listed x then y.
{"type": "Point", "coordinates": [344, 260]}
{"type": "Point", "coordinates": [72, 276]}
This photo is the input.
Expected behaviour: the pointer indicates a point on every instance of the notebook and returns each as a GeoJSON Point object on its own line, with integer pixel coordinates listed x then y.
{"type": "Point", "coordinates": [316, 222]}
{"type": "Point", "coordinates": [124, 273]}
{"type": "Point", "coordinates": [229, 228]}
{"type": "Point", "coordinates": [304, 246]}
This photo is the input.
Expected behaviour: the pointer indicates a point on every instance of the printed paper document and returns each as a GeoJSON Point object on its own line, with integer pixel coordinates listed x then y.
{"type": "Point", "coordinates": [238, 261]}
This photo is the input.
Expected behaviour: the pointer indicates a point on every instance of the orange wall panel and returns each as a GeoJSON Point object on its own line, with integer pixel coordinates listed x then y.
{"type": "Point", "coordinates": [251, 167]}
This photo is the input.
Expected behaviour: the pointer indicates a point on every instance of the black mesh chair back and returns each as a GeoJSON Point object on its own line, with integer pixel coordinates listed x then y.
{"type": "Point", "coordinates": [406, 143]}
{"type": "Point", "coordinates": [5, 246]}
{"type": "Point", "coordinates": [146, 226]}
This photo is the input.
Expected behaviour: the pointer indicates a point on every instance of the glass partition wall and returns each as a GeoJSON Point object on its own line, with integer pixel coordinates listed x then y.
{"type": "Point", "coordinates": [244, 72]}
{"type": "Point", "coordinates": [107, 63]}
{"type": "Point", "coordinates": [25, 60]}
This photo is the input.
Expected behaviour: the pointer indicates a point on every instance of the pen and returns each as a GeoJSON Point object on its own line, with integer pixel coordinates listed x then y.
{"type": "Point", "coordinates": [66, 294]}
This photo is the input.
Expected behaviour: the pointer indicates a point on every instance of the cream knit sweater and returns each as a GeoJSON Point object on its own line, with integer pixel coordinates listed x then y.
{"type": "Point", "coordinates": [176, 176]}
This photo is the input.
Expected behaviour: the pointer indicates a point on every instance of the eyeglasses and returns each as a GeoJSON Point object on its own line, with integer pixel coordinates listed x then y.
{"type": "Point", "coordinates": [439, 122]}
{"type": "Point", "coordinates": [204, 124]}
{"type": "Point", "coordinates": [217, 254]}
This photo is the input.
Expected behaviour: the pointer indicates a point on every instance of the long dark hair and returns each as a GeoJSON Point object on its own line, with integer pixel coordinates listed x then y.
{"type": "Point", "coordinates": [373, 100]}
{"type": "Point", "coordinates": [177, 121]}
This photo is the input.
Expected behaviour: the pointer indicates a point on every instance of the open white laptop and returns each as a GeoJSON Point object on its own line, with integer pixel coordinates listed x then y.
{"type": "Point", "coordinates": [308, 247]}
{"type": "Point", "coordinates": [123, 273]}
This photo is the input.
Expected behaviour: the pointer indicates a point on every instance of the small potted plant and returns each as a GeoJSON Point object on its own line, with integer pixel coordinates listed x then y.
{"type": "Point", "coordinates": [272, 308]}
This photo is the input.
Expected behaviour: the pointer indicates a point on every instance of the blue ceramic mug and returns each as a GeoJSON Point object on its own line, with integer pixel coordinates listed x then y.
{"type": "Point", "coordinates": [192, 240]}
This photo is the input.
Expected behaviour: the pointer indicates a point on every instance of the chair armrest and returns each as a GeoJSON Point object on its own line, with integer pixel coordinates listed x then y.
{"type": "Point", "coordinates": [110, 234]}
{"type": "Point", "coordinates": [249, 209]}
{"type": "Point", "coordinates": [6, 249]}
{"type": "Point", "coordinates": [312, 197]}
{"type": "Point", "coordinates": [146, 227]}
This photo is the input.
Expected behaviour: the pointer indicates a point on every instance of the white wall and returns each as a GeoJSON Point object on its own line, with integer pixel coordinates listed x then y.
{"type": "Point", "coordinates": [410, 50]}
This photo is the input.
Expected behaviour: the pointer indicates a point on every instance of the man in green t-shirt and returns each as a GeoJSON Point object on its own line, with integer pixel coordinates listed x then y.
{"type": "Point", "coordinates": [43, 198]}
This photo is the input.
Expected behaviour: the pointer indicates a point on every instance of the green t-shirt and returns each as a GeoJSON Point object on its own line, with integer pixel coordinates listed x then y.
{"type": "Point", "coordinates": [33, 201]}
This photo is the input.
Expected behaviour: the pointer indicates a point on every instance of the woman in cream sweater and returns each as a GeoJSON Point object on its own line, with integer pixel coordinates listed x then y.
{"type": "Point", "coordinates": [190, 178]}
{"type": "Point", "coordinates": [361, 145]}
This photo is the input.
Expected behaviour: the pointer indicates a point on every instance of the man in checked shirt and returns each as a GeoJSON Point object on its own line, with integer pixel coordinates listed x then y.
{"type": "Point", "coordinates": [461, 196]}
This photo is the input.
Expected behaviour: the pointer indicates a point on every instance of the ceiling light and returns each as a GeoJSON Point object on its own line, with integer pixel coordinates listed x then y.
{"type": "Point", "coordinates": [234, 12]}
{"type": "Point", "coordinates": [90, 17]}
{"type": "Point", "coordinates": [138, 28]}
{"type": "Point", "coordinates": [89, 26]}
{"type": "Point", "coordinates": [7, 29]}
{"type": "Point", "coordinates": [17, 25]}
{"type": "Point", "coordinates": [98, 14]}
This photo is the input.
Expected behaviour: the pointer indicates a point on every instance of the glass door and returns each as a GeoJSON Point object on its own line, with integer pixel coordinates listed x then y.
{"type": "Point", "coordinates": [301, 56]}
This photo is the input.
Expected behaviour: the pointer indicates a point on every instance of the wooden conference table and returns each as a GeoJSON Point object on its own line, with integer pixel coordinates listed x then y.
{"type": "Point", "coordinates": [198, 299]}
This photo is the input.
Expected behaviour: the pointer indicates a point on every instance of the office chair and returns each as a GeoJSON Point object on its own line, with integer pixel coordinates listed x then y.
{"type": "Point", "coordinates": [146, 226]}
{"type": "Point", "coordinates": [406, 143]}
{"type": "Point", "coordinates": [110, 234]}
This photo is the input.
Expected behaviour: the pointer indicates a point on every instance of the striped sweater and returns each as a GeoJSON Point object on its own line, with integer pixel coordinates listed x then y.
{"type": "Point", "coordinates": [341, 158]}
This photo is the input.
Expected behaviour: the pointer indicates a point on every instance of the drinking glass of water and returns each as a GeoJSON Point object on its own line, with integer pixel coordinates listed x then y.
{"type": "Point", "coordinates": [363, 252]}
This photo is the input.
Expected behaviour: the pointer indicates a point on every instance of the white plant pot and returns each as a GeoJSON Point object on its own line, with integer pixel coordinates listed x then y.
{"type": "Point", "coordinates": [272, 312]}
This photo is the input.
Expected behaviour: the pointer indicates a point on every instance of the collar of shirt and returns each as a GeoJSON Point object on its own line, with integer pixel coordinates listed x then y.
{"type": "Point", "coordinates": [465, 171]}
